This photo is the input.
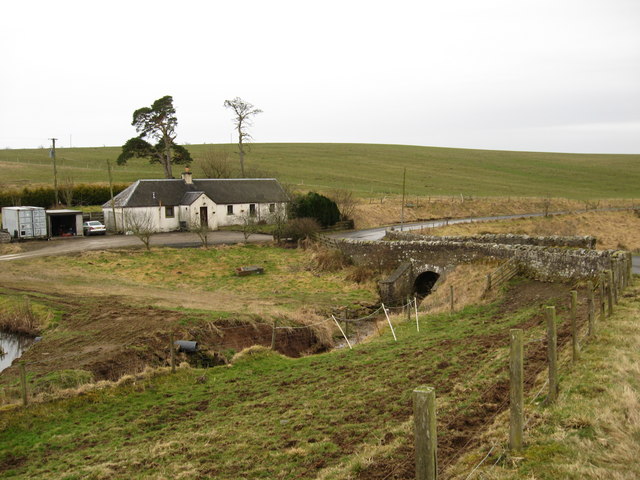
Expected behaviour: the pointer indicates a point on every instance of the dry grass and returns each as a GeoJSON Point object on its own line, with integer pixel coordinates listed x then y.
{"type": "Point", "coordinates": [11, 397]}
{"type": "Point", "coordinates": [327, 259]}
{"type": "Point", "coordinates": [388, 210]}
{"type": "Point", "coordinates": [613, 230]}
{"type": "Point", "coordinates": [10, 248]}
{"type": "Point", "coordinates": [593, 431]}
{"type": "Point", "coordinates": [19, 315]}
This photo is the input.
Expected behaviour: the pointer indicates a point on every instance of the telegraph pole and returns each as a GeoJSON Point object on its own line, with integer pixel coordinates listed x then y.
{"type": "Point", "coordinates": [52, 154]}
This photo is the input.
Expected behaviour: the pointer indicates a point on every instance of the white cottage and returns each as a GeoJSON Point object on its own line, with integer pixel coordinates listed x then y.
{"type": "Point", "coordinates": [174, 204]}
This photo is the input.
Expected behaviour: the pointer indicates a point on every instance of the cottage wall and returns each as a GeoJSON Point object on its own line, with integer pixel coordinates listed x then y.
{"type": "Point", "coordinates": [190, 214]}
{"type": "Point", "coordinates": [241, 211]}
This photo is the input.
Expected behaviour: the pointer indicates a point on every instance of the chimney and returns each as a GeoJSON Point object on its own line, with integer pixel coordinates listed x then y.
{"type": "Point", "coordinates": [187, 176]}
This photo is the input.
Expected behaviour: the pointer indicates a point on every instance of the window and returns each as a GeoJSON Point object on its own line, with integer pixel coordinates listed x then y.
{"type": "Point", "coordinates": [252, 209]}
{"type": "Point", "coordinates": [229, 209]}
{"type": "Point", "coordinates": [168, 212]}
{"type": "Point", "coordinates": [272, 208]}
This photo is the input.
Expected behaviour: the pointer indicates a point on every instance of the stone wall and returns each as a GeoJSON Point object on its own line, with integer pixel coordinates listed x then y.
{"type": "Point", "coordinates": [502, 239]}
{"type": "Point", "coordinates": [397, 285]}
{"type": "Point", "coordinates": [538, 262]}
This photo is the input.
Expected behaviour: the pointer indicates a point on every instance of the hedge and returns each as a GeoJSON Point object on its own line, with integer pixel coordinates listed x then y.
{"type": "Point", "coordinates": [83, 194]}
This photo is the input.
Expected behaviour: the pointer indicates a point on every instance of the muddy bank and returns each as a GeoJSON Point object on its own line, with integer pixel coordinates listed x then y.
{"type": "Point", "coordinates": [108, 338]}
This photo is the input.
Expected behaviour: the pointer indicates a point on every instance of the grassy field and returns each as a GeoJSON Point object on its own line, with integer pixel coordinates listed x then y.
{"type": "Point", "coordinates": [198, 278]}
{"type": "Point", "coordinates": [369, 170]}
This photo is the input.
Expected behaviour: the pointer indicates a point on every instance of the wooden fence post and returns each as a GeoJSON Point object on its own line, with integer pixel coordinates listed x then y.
{"type": "Point", "coordinates": [273, 335]}
{"type": "Point", "coordinates": [516, 391]}
{"type": "Point", "coordinates": [591, 309]}
{"type": "Point", "coordinates": [602, 295]}
{"type": "Point", "coordinates": [552, 354]}
{"type": "Point", "coordinates": [172, 347]}
{"type": "Point", "coordinates": [574, 325]}
{"type": "Point", "coordinates": [23, 384]}
{"type": "Point", "coordinates": [451, 296]}
{"type": "Point", "coordinates": [609, 288]}
{"type": "Point", "coordinates": [615, 282]}
{"type": "Point", "coordinates": [424, 417]}
{"type": "Point", "coordinates": [488, 282]}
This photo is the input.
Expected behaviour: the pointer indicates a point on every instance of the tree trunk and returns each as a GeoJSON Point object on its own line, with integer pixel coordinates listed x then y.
{"type": "Point", "coordinates": [240, 149]}
{"type": "Point", "coordinates": [166, 160]}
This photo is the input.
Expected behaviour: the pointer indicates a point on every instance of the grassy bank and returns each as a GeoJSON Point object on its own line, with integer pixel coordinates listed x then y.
{"type": "Point", "coordinates": [369, 169]}
{"type": "Point", "coordinates": [326, 416]}
{"type": "Point", "coordinates": [593, 431]}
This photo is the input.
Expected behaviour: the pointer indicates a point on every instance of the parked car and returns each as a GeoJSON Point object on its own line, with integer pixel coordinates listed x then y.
{"type": "Point", "coordinates": [93, 227]}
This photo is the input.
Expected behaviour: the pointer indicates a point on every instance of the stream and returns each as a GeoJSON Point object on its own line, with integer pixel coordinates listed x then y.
{"type": "Point", "coordinates": [11, 347]}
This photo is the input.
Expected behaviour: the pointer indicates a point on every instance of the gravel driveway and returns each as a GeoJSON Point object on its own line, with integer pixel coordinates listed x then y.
{"type": "Point", "coordinates": [63, 246]}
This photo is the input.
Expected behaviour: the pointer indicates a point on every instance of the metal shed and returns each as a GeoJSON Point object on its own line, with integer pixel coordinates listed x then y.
{"type": "Point", "coordinates": [64, 223]}
{"type": "Point", "coordinates": [24, 222]}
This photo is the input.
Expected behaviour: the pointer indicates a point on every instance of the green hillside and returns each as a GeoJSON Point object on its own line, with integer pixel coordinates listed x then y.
{"type": "Point", "coordinates": [368, 168]}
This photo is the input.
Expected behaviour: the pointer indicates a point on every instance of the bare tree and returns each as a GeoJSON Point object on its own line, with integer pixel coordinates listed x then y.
{"type": "Point", "coordinates": [66, 190]}
{"type": "Point", "coordinates": [140, 224]}
{"type": "Point", "coordinates": [243, 111]}
{"type": "Point", "coordinates": [249, 225]}
{"type": "Point", "coordinates": [278, 218]}
{"type": "Point", "coordinates": [345, 201]}
{"type": "Point", "coordinates": [215, 164]}
{"type": "Point", "coordinates": [195, 226]}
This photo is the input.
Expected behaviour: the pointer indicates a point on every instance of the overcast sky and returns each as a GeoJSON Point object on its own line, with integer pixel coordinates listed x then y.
{"type": "Point", "coordinates": [544, 75]}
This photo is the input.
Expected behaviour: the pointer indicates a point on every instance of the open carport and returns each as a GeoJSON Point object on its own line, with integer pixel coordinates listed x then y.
{"type": "Point", "coordinates": [64, 223]}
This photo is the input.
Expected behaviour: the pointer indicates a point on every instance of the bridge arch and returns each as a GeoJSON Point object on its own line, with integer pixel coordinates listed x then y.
{"type": "Point", "coordinates": [424, 282]}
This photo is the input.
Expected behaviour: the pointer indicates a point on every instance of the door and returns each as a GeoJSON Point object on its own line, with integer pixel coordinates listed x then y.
{"type": "Point", "coordinates": [204, 217]}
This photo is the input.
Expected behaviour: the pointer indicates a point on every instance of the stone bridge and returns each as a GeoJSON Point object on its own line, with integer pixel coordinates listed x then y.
{"type": "Point", "coordinates": [418, 262]}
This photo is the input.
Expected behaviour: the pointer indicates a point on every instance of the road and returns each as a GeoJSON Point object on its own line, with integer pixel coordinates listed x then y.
{"type": "Point", "coordinates": [379, 232]}
{"type": "Point", "coordinates": [63, 246]}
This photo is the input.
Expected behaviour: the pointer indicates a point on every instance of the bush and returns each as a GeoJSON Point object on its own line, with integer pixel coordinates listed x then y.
{"type": "Point", "coordinates": [301, 228]}
{"type": "Point", "coordinates": [319, 207]}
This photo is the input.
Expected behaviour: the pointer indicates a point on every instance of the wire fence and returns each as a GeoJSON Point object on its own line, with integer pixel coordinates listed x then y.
{"type": "Point", "coordinates": [583, 331]}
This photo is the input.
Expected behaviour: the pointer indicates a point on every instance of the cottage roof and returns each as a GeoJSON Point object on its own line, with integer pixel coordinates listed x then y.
{"type": "Point", "coordinates": [189, 197]}
{"type": "Point", "coordinates": [171, 192]}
